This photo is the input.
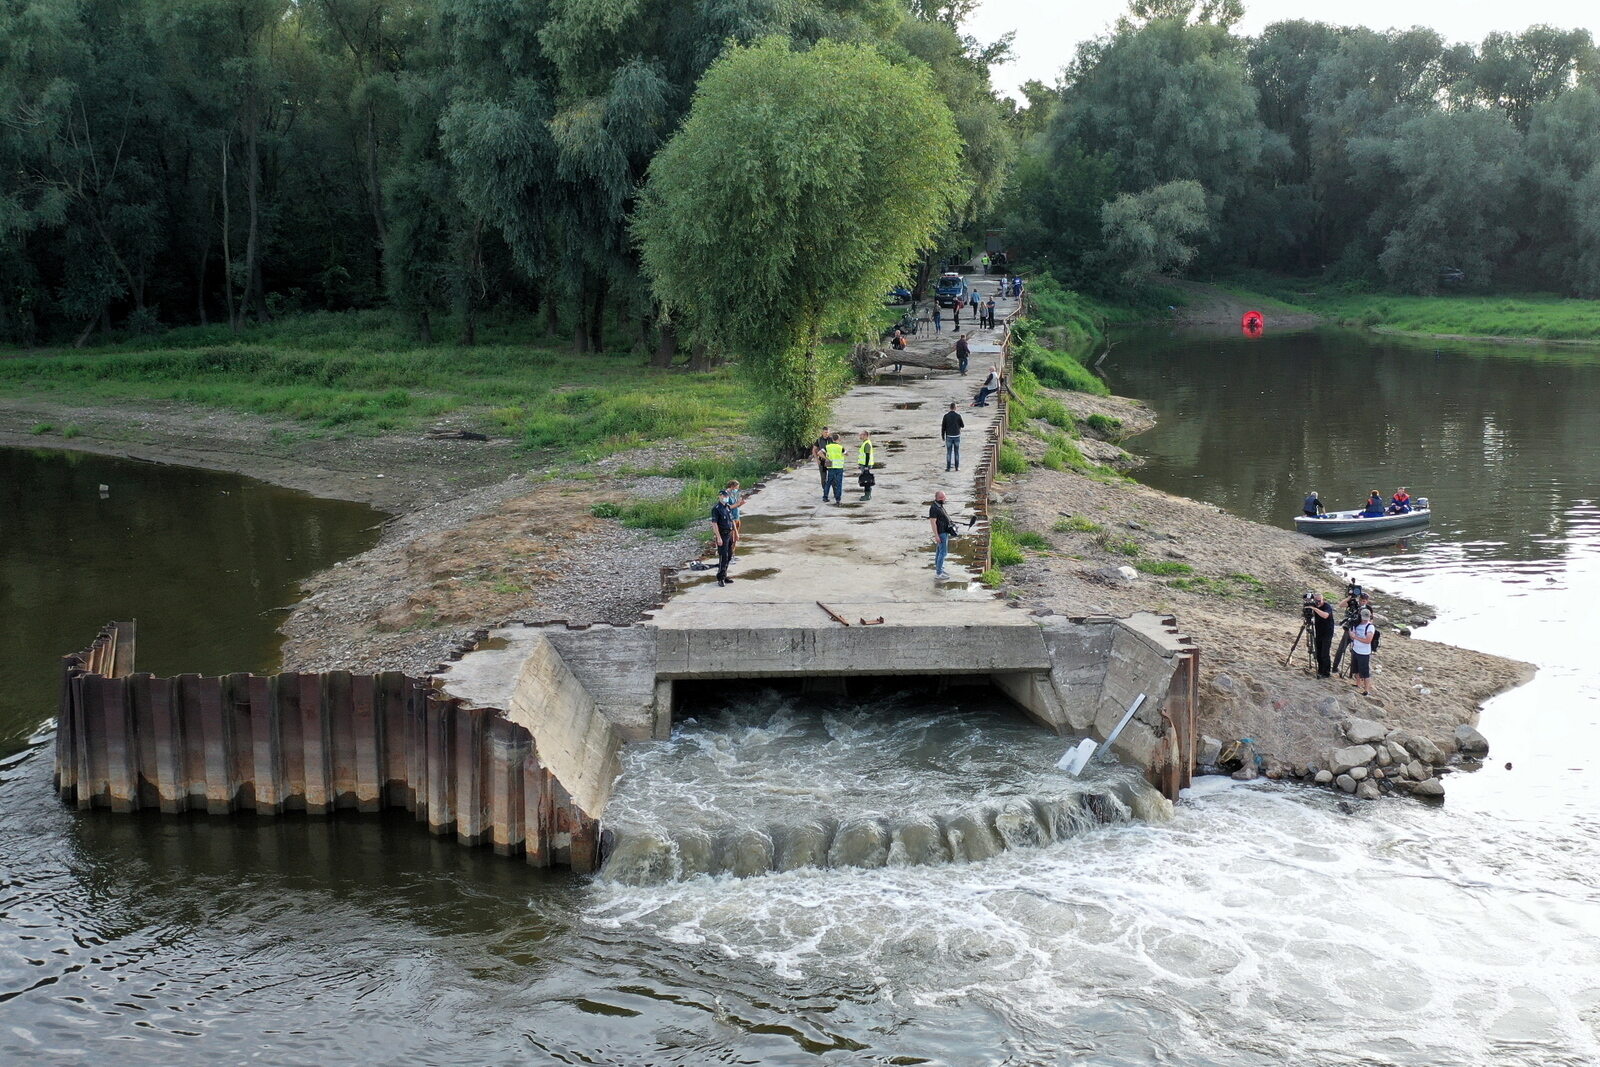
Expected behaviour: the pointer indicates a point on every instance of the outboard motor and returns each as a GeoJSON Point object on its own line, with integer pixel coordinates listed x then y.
{"type": "Point", "coordinates": [1420, 504]}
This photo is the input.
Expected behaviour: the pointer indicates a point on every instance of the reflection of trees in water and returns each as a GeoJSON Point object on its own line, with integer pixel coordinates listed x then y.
{"type": "Point", "coordinates": [1499, 438]}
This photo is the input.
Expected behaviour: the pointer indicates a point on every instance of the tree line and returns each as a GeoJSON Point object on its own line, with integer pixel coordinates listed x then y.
{"type": "Point", "coordinates": [167, 162]}
{"type": "Point", "coordinates": [1390, 158]}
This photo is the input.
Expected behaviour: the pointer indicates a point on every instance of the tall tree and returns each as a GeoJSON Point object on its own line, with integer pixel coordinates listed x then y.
{"type": "Point", "coordinates": [777, 177]}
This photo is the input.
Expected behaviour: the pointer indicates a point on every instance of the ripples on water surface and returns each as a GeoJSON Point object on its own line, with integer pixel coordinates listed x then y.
{"type": "Point", "coordinates": [1261, 925]}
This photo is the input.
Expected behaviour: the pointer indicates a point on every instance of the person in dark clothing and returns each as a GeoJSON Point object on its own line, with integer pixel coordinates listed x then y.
{"type": "Point", "coordinates": [819, 452]}
{"type": "Point", "coordinates": [991, 384]}
{"type": "Point", "coordinates": [950, 430]}
{"type": "Point", "coordinates": [943, 530]}
{"type": "Point", "coordinates": [1313, 506]}
{"type": "Point", "coordinates": [963, 353]}
{"type": "Point", "coordinates": [1322, 621]}
{"type": "Point", "coordinates": [1374, 508]}
{"type": "Point", "coordinates": [722, 534]}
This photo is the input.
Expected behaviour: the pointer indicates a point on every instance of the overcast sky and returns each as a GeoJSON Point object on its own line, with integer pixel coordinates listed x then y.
{"type": "Point", "coordinates": [1048, 31]}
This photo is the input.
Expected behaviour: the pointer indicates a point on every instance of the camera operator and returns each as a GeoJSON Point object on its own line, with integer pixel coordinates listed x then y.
{"type": "Point", "coordinates": [1322, 620]}
{"type": "Point", "coordinates": [1354, 603]}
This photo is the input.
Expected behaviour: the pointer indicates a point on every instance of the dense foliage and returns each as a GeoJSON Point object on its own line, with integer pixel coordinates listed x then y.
{"type": "Point", "coordinates": [173, 162]}
{"type": "Point", "coordinates": [777, 176]}
{"type": "Point", "coordinates": [1385, 158]}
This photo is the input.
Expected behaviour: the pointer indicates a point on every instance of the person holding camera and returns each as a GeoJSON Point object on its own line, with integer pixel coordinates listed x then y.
{"type": "Point", "coordinates": [1363, 637]}
{"type": "Point", "coordinates": [1322, 623]}
{"type": "Point", "coordinates": [943, 530]}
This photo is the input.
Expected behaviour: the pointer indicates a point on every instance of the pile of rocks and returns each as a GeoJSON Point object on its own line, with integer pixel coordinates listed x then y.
{"type": "Point", "coordinates": [1379, 760]}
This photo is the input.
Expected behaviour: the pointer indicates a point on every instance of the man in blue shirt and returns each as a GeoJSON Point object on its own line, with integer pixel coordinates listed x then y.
{"type": "Point", "coordinates": [1313, 506]}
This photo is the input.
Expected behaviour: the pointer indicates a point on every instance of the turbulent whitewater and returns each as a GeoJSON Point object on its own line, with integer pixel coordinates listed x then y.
{"type": "Point", "coordinates": [776, 782]}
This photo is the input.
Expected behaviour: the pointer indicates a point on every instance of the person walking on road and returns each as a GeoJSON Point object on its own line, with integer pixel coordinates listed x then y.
{"type": "Point", "coordinates": [819, 452]}
{"type": "Point", "coordinates": [950, 430]}
{"type": "Point", "coordinates": [835, 473]}
{"type": "Point", "coordinates": [963, 353]}
{"type": "Point", "coordinates": [866, 456]}
{"type": "Point", "coordinates": [722, 532]}
{"type": "Point", "coordinates": [955, 313]}
{"type": "Point", "coordinates": [898, 343]}
{"type": "Point", "coordinates": [943, 530]}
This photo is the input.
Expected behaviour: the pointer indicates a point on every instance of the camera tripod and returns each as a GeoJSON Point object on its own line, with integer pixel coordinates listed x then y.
{"type": "Point", "coordinates": [1306, 632]}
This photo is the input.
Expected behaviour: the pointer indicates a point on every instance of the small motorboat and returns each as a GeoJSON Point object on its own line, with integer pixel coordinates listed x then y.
{"type": "Point", "coordinates": [1347, 523]}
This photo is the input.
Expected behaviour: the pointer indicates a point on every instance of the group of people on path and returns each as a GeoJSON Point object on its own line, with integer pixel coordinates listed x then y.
{"type": "Point", "coordinates": [831, 454]}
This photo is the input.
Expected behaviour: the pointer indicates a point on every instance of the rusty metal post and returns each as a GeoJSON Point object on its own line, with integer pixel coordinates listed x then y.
{"type": "Point", "coordinates": [469, 767]}
{"type": "Point", "coordinates": [508, 747]}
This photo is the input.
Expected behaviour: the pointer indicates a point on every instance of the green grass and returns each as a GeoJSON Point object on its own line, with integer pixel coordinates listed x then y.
{"type": "Point", "coordinates": [70, 430]}
{"type": "Point", "coordinates": [1121, 546]}
{"type": "Point", "coordinates": [1061, 330]}
{"type": "Point", "coordinates": [606, 510]}
{"type": "Point", "coordinates": [991, 578]}
{"type": "Point", "coordinates": [1104, 425]}
{"type": "Point", "coordinates": [1536, 316]}
{"type": "Point", "coordinates": [1012, 461]}
{"type": "Point", "coordinates": [1233, 586]}
{"type": "Point", "coordinates": [40, 427]}
{"type": "Point", "coordinates": [1163, 567]}
{"type": "Point", "coordinates": [1004, 548]}
{"type": "Point", "coordinates": [359, 372]}
{"type": "Point", "coordinates": [669, 514]}
{"type": "Point", "coordinates": [1036, 541]}
{"type": "Point", "coordinates": [1077, 524]}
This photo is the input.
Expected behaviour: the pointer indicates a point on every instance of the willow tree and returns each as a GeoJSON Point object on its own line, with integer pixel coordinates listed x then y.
{"type": "Point", "coordinates": [792, 198]}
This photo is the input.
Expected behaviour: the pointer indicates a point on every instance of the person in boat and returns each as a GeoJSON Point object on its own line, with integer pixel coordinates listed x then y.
{"type": "Point", "coordinates": [1374, 508]}
{"type": "Point", "coordinates": [1313, 508]}
{"type": "Point", "coordinates": [1400, 503]}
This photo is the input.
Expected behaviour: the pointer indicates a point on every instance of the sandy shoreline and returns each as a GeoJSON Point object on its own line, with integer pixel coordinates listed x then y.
{"type": "Point", "coordinates": [476, 539]}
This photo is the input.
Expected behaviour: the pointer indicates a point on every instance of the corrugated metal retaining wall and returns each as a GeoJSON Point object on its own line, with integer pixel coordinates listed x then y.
{"type": "Point", "coordinates": [312, 743]}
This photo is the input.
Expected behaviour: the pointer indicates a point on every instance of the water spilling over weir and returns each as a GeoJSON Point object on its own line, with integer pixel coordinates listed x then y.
{"type": "Point", "coordinates": [766, 781]}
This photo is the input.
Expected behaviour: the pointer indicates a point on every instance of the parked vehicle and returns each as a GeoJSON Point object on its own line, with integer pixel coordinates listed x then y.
{"type": "Point", "coordinates": [952, 287]}
{"type": "Point", "coordinates": [898, 295]}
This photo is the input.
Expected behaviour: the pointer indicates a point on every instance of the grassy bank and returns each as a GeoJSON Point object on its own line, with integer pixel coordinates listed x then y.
{"type": "Point", "coordinates": [1530, 316]}
{"type": "Point", "coordinates": [357, 373]}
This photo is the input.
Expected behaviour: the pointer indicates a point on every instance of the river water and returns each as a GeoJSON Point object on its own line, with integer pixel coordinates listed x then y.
{"type": "Point", "coordinates": [1260, 924]}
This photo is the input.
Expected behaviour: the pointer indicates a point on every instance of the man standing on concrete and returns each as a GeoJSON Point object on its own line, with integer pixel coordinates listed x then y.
{"type": "Point", "coordinates": [722, 533]}
{"type": "Point", "coordinates": [866, 457]}
{"type": "Point", "coordinates": [819, 452]}
{"type": "Point", "coordinates": [834, 476]}
{"type": "Point", "coordinates": [950, 430]}
{"type": "Point", "coordinates": [943, 530]}
{"type": "Point", "coordinates": [938, 318]}
{"type": "Point", "coordinates": [988, 311]}
{"type": "Point", "coordinates": [963, 353]}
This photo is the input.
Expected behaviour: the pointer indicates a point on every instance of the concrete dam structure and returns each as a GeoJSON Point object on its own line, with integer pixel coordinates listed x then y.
{"type": "Point", "coordinates": [515, 744]}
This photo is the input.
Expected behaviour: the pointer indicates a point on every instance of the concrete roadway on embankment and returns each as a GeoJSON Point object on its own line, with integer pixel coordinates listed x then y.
{"type": "Point", "coordinates": [866, 558]}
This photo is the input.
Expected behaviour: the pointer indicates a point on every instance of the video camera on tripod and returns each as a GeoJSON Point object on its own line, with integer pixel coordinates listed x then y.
{"type": "Point", "coordinates": [1352, 604]}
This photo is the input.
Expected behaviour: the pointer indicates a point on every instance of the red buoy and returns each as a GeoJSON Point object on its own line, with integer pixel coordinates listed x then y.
{"type": "Point", "coordinates": [1253, 323]}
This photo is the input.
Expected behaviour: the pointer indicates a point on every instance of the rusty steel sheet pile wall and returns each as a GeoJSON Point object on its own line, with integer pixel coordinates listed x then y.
{"type": "Point", "coordinates": [310, 743]}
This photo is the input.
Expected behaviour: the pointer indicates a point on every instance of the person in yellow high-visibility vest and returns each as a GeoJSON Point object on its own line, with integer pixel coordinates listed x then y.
{"type": "Point", "coordinates": [834, 455]}
{"type": "Point", "coordinates": [866, 453]}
